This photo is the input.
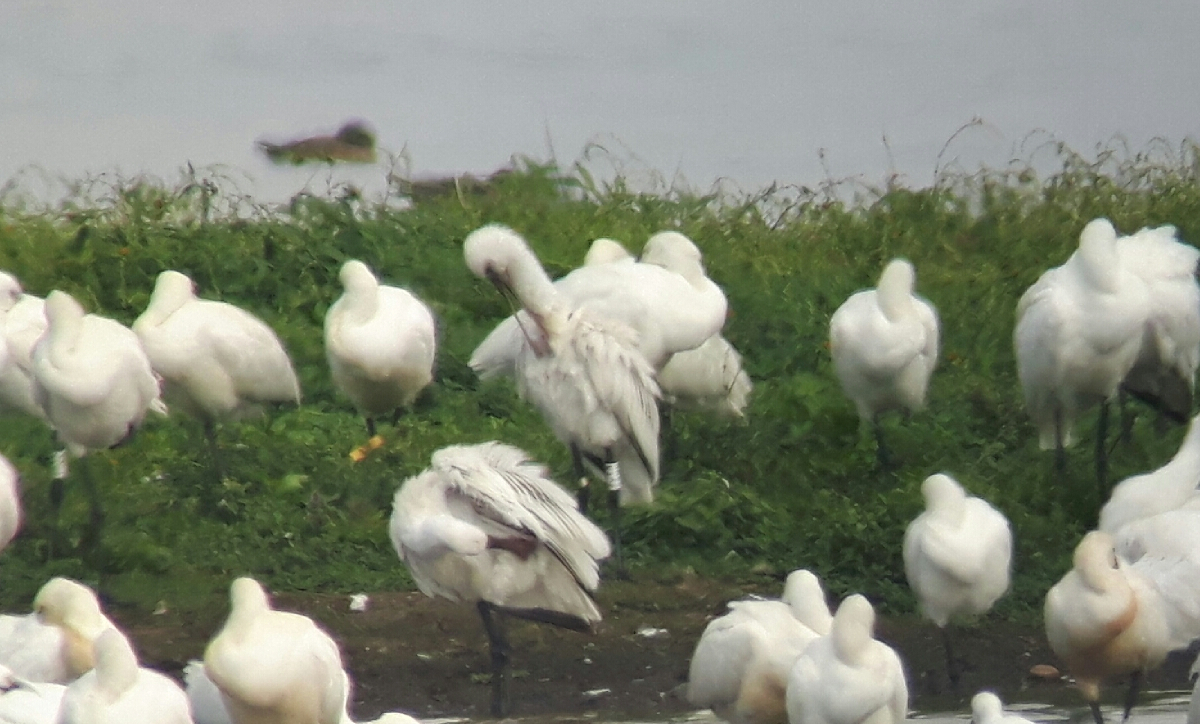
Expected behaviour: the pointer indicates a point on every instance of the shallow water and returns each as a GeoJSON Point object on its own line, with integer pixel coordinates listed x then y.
{"type": "Point", "coordinates": [774, 91]}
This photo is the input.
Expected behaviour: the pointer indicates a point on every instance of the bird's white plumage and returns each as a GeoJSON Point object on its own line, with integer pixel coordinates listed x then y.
{"type": "Point", "coordinates": [275, 667]}
{"type": "Point", "coordinates": [670, 309]}
{"type": "Point", "coordinates": [10, 502]}
{"type": "Point", "coordinates": [1078, 334]}
{"type": "Point", "coordinates": [957, 553]}
{"type": "Point", "coordinates": [1170, 350]}
{"type": "Point", "coordinates": [24, 323]}
{"type": "Point", "coordinates": [33, 650]}
{"type": "Point", "coordinates": [447, 521]}
{"type": "Point", "coordinates": [380, 342]}
{"type": "Point", "coordinates": [75, 610]}
{"type": "Point", "coordinates": [709, 377]}
{"type": "Point", "coordinates": [216, 360]}
{"type": "Point", "coordinates": [1110, 616]}
{"type": "Point", "coordinates": [207, 705]}
{"type": "Point", "coordinates": [118, 690]}
{"type": "Point", "coordinates": [986, 708]}
{"type": "Point", "coordinates": [94, 380]}
{"type": "Point", "coordinates": [847, 676]}
{"type": "Point", "coordinates": [884, 343]}
{"type": "Point", "coordinates": [1170, 487]}
{"type": "Point", "coordinates": [28, 702]}
{"type": "Point", "coordinates": [582, 370]}
{"type": "Point", "coordinates": [1193, 714]}
{"type": "Point", "coordinates": [741, 663]}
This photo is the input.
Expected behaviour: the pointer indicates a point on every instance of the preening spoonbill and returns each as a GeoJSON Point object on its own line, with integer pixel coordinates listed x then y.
{"type": "Point", "coordinates": [957, 557]}
{"type": "Point", "coordinates": [95, 384]}
{"type": "Point", "coordinates": [1170, 487]}
{"type": "Point", "coordinates": [10, 502]}
{"type": "Point", "coordinates": [1110, 616]}
{"type": "Point", "coordinates": [670, 310]}
{"type": "Point", "coordinates": [884, 343]}
{"type": "Point", "coordinates": [380, 342]}
{"type": "Point", "coordinates": [986, 708]}
{"type": "Point", "coordinates": [28, 702]}
{"type": "Point", "coordinates": [741, 663]}
{"type": "Point", "coordinates": [1079, 332]}
{"type": "Point", "coordinates": [848, 677]}
{"type": "Point", "coordinates": [1164, 375]}
{"type": "Point", "coordinates": [73, 608]}
{"type": "Point", "coordinates": [24, 323]}
{"type": "Point", "coordinates": [275, 667]}
{"type": "Point", "coordinates": [216, 360]}
{"type": "Point", "coordinates": [484, 524]}
{"type": "Point", "coordinates": [117, 690]}
{"type": "Point", "coordinates": [582, 370]}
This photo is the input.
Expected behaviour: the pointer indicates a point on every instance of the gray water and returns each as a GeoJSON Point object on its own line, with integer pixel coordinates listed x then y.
{"type": "Point", "coordinates": [790, 92]}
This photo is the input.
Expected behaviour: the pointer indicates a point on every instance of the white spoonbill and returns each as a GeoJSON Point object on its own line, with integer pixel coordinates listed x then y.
{"type": "Point", "coordinates": [847, 676]}
{"type": "Point", "coordinates": [275, 667]}
{"type": "Point", "coordinates": [484, 524]}
{"type": "Point", "coordinates": [381, 343]}
{"type": "Point", "coordinates": [1079, 332]}
{"type": "Point", "coordinates": [75, 609]}
{"type": "Point", "coordinates": [95, 385]}
{"type": "Point", "coordinates": [1170, 487]}
{"type": "Point", "coordinates": [24, 323]}
{"type": "Point", "coordinates": [741, 663]}
{"type": "Point", "coordinates": [216, 360]}
{"type": "Point", "coordinates": [10, 502]}
{"type": "Point", "coordinates": [583, 371]}
{"type": "Point", "coordinates": [884, 343]}
{"type": "Point", "coordinates": [957, 557]}
{"type": "Point", "coordinates": [28, 702]}
{"type": "Point", "coordinates": [1110, 616]}
{"type": "Point", "coordinates": [119, 690]}
{"type": "Point", "coordinates": [671, 311]}
{"type": "Point", "coordinates": [1164, 375]}
{"type": "Point", "coordinates": [986, 708]}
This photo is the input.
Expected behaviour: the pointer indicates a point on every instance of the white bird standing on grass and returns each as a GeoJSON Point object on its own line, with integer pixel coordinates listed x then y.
{"type": "Point", "coordinates": [848, 677]}
{"type": "Point", "coordinates": [484, 524]}
{"type": "Point", "coordinates": [957, 557]}
{"type": "Point", "coordinates": [884, 342]}
{"type": "Point", "coordinates": [583, 371]}
{"type": "Point", "coordinates": [1079, 332]}
{"type": "Point", "coordinates": [95, 385]}
{"type": "Point", "coordinates": [1127, 603]}
{"type": "Point", "coordinates": [381, 345]}
{"type": "Point", "coordinates": [119, 690]}
{"type": "Point", "coordinates": [1164, 375]}
{"type": "Point", "coordinates": [217, 360]}
{"type": "Point", "coordinates": [741, 663]}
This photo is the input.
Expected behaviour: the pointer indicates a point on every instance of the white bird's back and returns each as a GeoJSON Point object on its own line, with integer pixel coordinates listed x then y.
{"type": "Point", "coordinates": [1170, 487]}
{"type": "Point", "coordinates": [118, 690]}
{"type": "Point", "coordinates": [28, 702]}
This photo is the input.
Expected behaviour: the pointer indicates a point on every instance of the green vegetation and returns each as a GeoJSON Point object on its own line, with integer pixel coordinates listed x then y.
{"type": "Point", "coordinates": [794, 485]}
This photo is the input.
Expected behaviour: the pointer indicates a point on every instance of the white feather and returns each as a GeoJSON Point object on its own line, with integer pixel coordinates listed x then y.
{"type": "Point", "coordinates": [118, 690]}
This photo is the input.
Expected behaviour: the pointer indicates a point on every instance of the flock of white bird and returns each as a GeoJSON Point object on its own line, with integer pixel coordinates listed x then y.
{"type": "Point", "coordinates": [596, 352]}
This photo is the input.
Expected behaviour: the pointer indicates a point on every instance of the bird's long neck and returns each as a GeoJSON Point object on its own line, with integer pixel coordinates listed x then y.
{"type": "Point", "coordinates": [531, 284]}
{"type": "Point", "coordinates": [895, 299]}
{"type": "Point", "coordinates": [849, 641]}
{"type": "Point", "coordinates": [63, 335]}
{"type": "Point", "coordinates": [163, 303]}
{"type": "Point", "coordinates": [116, 670]}
{"type": "Point", "coordinates": [362, 300]}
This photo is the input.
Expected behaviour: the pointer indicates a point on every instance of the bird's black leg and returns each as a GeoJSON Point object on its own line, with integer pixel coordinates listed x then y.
{"type": "Point", "coordinates": [1131, 694]}
{"type": "Point", "coordinates": [1097, 717]}
{"type": "Point", "coordinates": [883, 456]}
{"type": "Point", "coordinates": [581, 476]}
{"type": "Point", "coordinates": [214, 450]}
{"type": "Point", "coordinates": [1060, 450]}
{"type": "Point", "coordinates": [370, 426]}
{"type": "Point", "coordinates": [951, 664]}
{"type": "Point", "coordinates": [493, 625]}
{"type": "Point", "coordinates": [670, 441]}
{"type": "Point", "coordinates": [1127, 417]}
{"type": "Point", "coordinates": [89, 542]}
{"type": "Point", "coordinates": [614, 509]}
{"type": "Point", "coordinates": [1102, 453]}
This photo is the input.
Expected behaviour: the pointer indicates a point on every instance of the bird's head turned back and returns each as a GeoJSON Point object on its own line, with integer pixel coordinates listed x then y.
{"type": "Point", "coordinates": [70, 604]}
{"type": "Point", "coordinates": [853, 627]}
{"type": "Point", "coordinates": [356, 275]}
{"type": "Point", "coordinates": [674, 251]}
{"type": "Point", "coordinates": [247, 595]}
{"type": "Point", "coordinates": [941, 491]}
{"type": "Point", "coordinates": [492, 252]}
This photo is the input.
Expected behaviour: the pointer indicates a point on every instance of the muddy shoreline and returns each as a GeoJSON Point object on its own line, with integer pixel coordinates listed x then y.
{"type": "Point", "coordinates": [427, 657]}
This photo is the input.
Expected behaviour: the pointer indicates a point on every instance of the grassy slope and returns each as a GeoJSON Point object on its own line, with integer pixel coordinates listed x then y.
{"type": "Point", "coordinates": [793, 486]}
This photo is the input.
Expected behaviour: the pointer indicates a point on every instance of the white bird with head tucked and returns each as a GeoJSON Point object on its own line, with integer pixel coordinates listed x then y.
{"type": "Point", "coordinates": [1164, 375]}
{"type": "Point", "coordinates": [582, 370]}
{"type": "Point", "coordinates": [1127, 602]}
{"type": "Point", "coordinates": [119, 690]}
{"type": "Point", "coordinates": [484, 524]}
{"type": "Point", "coordinates": [884, 342]}
{"type": "Point", "coordinates": [847, 676]}
{"type": "Point", "coordinates": [740, 666]}
{"type": "Point", "coordinates": [957, 557]}
{"type": "Point", "coordinates": [216, 360]}
{"type": "Point", "coordinates": [1079, 332]}
{"type": "Point", "coordinates": [275, 667]}
{"type": "Point", "coordinates": [24, 323]}
{"type": "Point", "coordinates": [986, 708]}
{"type": "Point", "coordinates": [95, 385]}
{"type": "Point", "coordinates": [381, 344]}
